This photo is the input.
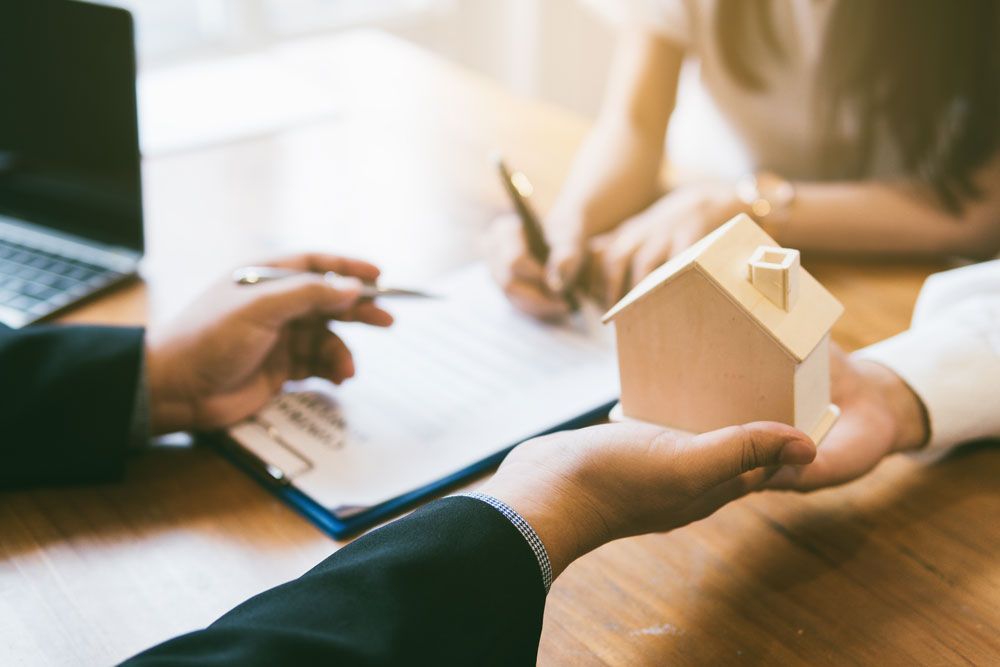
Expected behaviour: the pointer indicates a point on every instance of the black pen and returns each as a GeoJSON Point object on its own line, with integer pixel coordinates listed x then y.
{"type": "Point", "coordinates": [519, 189]}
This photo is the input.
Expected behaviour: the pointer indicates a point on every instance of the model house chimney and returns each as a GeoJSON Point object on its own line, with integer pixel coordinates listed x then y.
{"type": "Point", "coordinates": [775, 274]}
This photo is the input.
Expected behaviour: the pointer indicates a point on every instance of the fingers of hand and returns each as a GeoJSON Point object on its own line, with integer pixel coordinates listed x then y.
{"type": "Point", "coordinates": [277, 303]}
{"type": "Point", "coordinates": [592, 280]}
{"type": "Point", "coordinates": [563, 268]}
{"type": "Point", "coordinates": [521, 276]}
{"type": "Point", "coordinates": [321, 263]}
{"type": "Point", "coordinates": [854, 445]}
{"type": "Point", "coordinates": [647, 259]}
{"type": "Point", "coordinates": [683, 238]}
{"type": "Point", "coordinates": [715, 457]}
{"type": "Point", "coordinates": [506, 238]}
{"type": "Point", "coordinates": [616, 268]}
{"type": "Point", "coordinates": [368, 312]}
{"type": "Point", "coordinates": [826, 470]}
{"type": "Point", "coordinates": [303, 345]}
{"type": "Point", "coordinates": [509, 256]}
{"type": "Point", "coordinates": [637, 236]}
{"type": "Point", "coordinates": [335, 361]}
{"type": "Point", "coordinates": [536, 301]}
{"type": "Point", "coordinates": [315, 351]}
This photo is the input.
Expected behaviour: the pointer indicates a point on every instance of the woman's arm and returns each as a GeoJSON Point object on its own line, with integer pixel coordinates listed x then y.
{"type": "Point", "coordinates": [616, 173]}
{"type": "Point", "coordinates": [615, 176]}
{"type": "Point", "coordinates": [875, 217]}
{"type": "Point", "coordinates": [891, 219]}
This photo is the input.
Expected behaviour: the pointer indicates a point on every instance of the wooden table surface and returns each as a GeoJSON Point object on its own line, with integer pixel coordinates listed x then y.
{"type": "Point", "coordinates": [898, 568]}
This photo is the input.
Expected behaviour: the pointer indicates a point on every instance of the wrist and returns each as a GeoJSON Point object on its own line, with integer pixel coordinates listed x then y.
{"type": "Point", "coordinates": [767, 197]}
{"type": "Point", "coordinates": [566, 226]}
{"type": "Point", "coordinates": [566, 530]}
{"type": "Point", "coordinates": [169, 410]}
{"type": "Point", "coordinates": [909, 415]}
{"type": "Point", "coordinates": [724, 201]}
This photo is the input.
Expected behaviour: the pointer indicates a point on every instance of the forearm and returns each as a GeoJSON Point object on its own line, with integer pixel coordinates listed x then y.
{"type": "Point", "coordinates": [885, 219]}
{"type": "Point", "coordinates": [453, 583]}
{"type": "Point", "coordinates": [617, 171]}
{"type": "Point", "coordinates": [615, 175]}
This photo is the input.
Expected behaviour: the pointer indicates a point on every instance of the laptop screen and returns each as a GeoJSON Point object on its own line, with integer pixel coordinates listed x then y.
{"type": "Point", "coordinates": [69, 153]}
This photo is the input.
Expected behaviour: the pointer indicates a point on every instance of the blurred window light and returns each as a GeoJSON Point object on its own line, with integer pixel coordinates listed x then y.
{"type": "Point", "coordinates": [178, 29]}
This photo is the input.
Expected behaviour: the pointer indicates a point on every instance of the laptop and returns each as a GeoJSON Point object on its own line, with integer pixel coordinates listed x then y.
{"type": "Point", "coordinates": [70, 184]}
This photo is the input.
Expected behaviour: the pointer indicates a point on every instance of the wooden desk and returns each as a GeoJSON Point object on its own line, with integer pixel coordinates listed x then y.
{"type": "Point", "coordinates": [899, 568]}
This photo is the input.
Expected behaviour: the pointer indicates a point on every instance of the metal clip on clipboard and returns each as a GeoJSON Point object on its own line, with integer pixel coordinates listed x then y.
{"type": "Point", "coordinates": [283, 473]}
{"type": "Point", "coordinates": [295, 464]}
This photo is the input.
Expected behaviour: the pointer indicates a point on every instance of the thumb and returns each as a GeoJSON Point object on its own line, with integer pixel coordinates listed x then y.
{"type": "Point", "coordinates": [727, 453]}
{"type": "Point", "coordinates": [563, 267]}
{"type": "Point", "coordinates": [279, 302]}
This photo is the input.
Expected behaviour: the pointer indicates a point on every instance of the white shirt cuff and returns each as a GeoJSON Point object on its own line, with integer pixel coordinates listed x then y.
{"type": "Point", "coordinates": [954, 371]}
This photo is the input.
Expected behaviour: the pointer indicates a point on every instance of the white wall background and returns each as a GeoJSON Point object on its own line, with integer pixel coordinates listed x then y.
{"type": "Point", "coordinates": [559, 51]}
{"type": "Point", "coordinates": [553, 50]}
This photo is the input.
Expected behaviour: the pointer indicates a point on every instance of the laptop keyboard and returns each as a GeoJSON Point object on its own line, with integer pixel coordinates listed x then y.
{"type": "Point", "coordinates": [36, 282]}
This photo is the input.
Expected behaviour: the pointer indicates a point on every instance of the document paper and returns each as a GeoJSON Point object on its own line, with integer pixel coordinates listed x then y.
{"type": "Point", "coordinates": [452, 382]}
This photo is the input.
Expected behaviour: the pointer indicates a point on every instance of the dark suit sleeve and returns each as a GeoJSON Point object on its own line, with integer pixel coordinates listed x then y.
{"type": "Point", "coordinates": [452, 584]}
{"type": "Point", "coordinates": [67, 396]}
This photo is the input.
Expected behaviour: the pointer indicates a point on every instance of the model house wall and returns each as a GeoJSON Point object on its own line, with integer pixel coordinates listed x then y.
{"type": "Point", "coordinates": [812, 387]}
{"type": "Point", "coordinates": [731, 331]}
{"type": "Point", "coordinates": [701, 363]}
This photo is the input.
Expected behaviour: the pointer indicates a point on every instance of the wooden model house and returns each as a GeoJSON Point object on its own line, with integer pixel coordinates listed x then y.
{"type": "Point", "coordinates": [730, 331]}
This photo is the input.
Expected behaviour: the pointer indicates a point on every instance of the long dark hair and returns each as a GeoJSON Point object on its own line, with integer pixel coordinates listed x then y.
{"type": "Point", "coordinates": [927, 71]}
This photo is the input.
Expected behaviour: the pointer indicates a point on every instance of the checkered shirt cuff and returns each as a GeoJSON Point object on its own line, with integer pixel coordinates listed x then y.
{"type": "Point", "coordinates": [527, 532]}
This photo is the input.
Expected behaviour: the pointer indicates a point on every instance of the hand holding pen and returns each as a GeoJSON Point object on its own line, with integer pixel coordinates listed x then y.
{"type": "Point", "coordinates": [522, 259]}
{"type": "Point", "coordinates": [230, 351]}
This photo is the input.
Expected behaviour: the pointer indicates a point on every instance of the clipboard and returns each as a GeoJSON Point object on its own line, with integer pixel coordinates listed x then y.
{"type": "Point", "coordinates": [338, 528]}
{"type": "Point", "coordinates": [439, 398]}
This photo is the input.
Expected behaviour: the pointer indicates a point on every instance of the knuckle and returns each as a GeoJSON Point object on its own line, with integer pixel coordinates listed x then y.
{"type": "Point", "coordinates": [313, 291]}
{"type": "Point", "coordinates": [611, 265]}
{"type": "Point", "coordinates": [668, 445]}
{"type": "Point", "coordinates": [315, 288]}
{"type": "Point", "coordinates": [640, 268]}
{"type": "Point", "coordinates": [647, 260]}
{"type": "Point", "coordinates": [521, 265]}
{"type": "Point", "coordinates": [752, 454]}
{"type": "Point", "coordinates": [597, 245]}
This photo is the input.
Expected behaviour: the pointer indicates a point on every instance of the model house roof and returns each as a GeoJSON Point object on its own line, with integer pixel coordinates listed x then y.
{"type": "Point", "coordinates": [727, 258]}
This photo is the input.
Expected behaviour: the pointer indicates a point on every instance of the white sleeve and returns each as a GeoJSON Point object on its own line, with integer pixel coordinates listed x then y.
{"type": "Point", "coordinates": [950, 356]}
{"type": "Point", "coordinates": [671, 19]}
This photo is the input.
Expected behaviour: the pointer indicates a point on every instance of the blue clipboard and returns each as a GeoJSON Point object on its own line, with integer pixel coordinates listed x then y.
{"type": "Point", "coordinates": [338, 528]}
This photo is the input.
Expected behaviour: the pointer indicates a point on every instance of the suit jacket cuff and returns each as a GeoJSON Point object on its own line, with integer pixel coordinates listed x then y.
{"type": "Point", "coordinates": [66, 402]}
{"type": "Point", "coordinates": [531, 538]}
{"type": "Point", "coordinates": [453, 583]}
{"type": "Point", "coordinates": [139, 431]}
